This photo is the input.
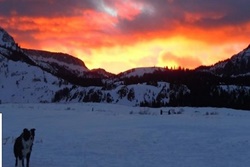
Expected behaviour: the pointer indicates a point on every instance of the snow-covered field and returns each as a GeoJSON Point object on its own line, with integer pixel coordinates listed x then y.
{"type": "Point", "coordinates": [106, 135]}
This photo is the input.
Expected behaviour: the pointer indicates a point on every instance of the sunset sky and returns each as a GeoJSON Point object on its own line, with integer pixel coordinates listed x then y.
{"type": "Point", "coordinates": [118, 35]}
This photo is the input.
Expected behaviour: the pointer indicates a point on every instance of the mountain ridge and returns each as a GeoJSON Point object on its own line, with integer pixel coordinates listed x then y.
{"type": "Point", "coordinates": [29, 75]}
{"type": "Point", "coordinates": [238, 64]}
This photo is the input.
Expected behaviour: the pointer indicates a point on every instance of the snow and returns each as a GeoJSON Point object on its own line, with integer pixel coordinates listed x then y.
{"type": "Point", "coordinates": [20, 82]}
{"type": "Point", "coordinates": [93, 135]}
{"type": "Point", "coordinates": [6, 40]}
{"type": "Point", "coordinates": [140, 71]}
{"type": "Point", "coordinates": [231, 88]}
{"type": "Point", "coordinates": [24, 83]}
{"type": "Point", "coordinates": [142, 93]}
{"type": "Point", "coordinates": [46, 59]}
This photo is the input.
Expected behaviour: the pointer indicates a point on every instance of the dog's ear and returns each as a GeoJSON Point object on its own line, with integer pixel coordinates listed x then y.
{"type": "Point", "coordinates": [25, 130]}
{"type": "Point", "coordinates": [25, 134]}
{"type": "Point", "coordinates": [32, 131]}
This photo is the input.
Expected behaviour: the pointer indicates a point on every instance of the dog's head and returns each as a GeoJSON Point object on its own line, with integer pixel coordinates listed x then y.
{"type": "Point", "coordinates": [28, 134]}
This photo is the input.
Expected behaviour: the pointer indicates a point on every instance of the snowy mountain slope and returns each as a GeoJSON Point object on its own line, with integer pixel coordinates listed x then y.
{"type": "Point", "coordinates": [60, 65]}
{"type": "Point", "coordinates": [20, 79]}
{"type": "Point", "coordinates": [37, 80]}
{"type": "Point", "coordinates": [64, 65]}
{"type": "Point", "coordinates": [11, 50]}
{"type": "Point", "coordinates": [139, 72]}
{"type": "Point", "coordinates": [105, 135]}
{"type": "Point", "coordinates": [51, 60]}
{"type": "Point", "coordinates": [100, 73]}
{"type": "Point", "coordinates": [131, 95]}
{"type": "Point", "coordinates": [6, 40]}
{"type": "Point", "coordinates": [33, 76]}
{"type": "Point", "coordinates": [21, 82]}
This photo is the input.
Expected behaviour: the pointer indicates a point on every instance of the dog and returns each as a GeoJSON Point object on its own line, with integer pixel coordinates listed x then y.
{"type": "Point", "coordinates": [23, 147]}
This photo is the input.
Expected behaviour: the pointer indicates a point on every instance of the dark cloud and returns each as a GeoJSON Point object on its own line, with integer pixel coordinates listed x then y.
{"type": "Point", "coordinates": [165, 12]}
{"type": "Point", "coordinates": [164, 15]}
{"type": "Point", "coordinates": [170, 13]}
{"type": "Point", "coordinates": [43, 8]}
{"type": "Point", "coordinates": [160, 17]}
{"type": "Point", "coordinates": [233, 12]}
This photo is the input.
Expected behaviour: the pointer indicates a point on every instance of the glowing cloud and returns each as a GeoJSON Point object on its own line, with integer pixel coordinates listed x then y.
{"type": "Point", "coordinates": [119, 35]}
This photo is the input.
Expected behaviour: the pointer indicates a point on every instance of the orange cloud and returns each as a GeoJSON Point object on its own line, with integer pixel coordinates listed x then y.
{"type": "Point", "coordinates": [174, 61]}
{"type": "Point", "coordinates": [84, 29]}
{"type": "Point", "coordinates": [217, 35]}
{"type": "Point", "coordinates": [126, 34]}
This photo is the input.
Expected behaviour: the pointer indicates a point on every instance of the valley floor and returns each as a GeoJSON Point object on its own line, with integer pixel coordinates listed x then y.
{"type": "Point", "coordinates": [106, 135]}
